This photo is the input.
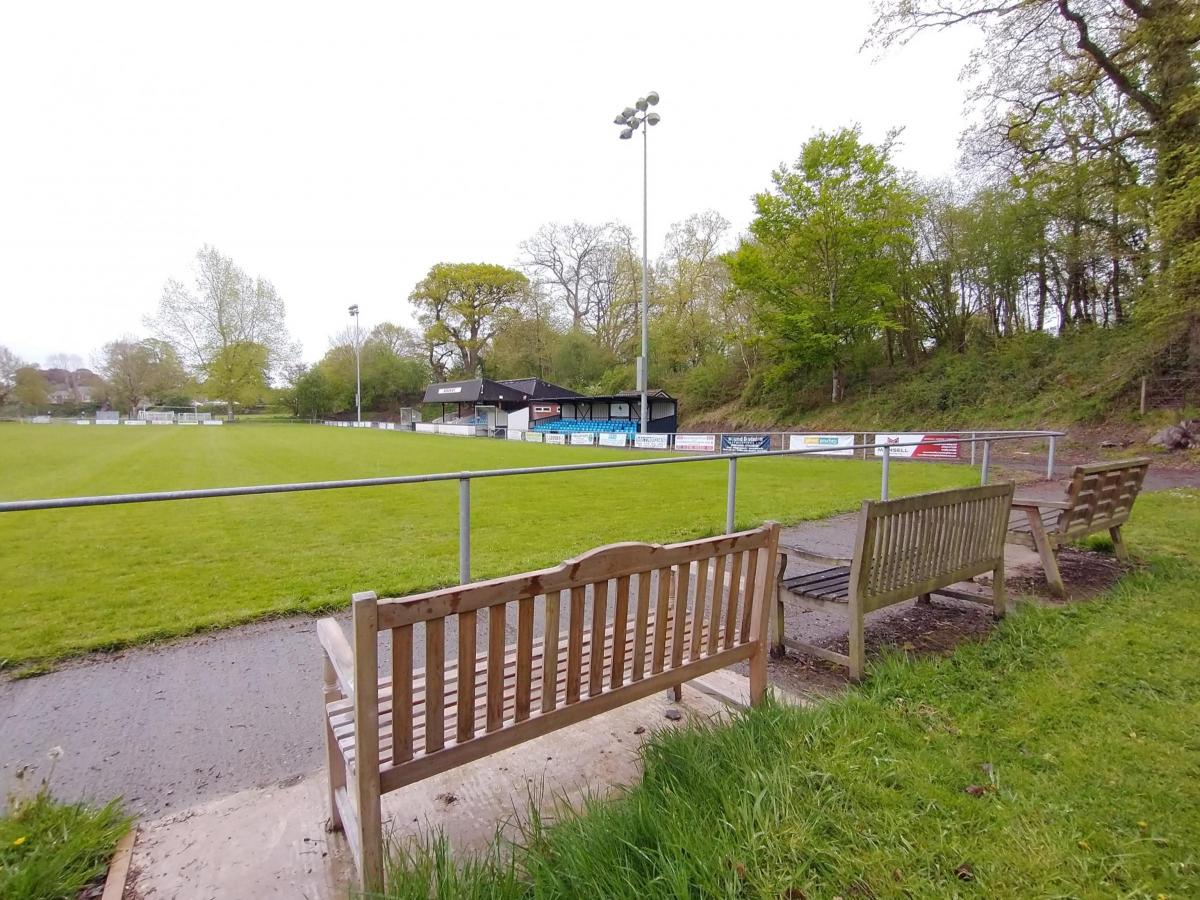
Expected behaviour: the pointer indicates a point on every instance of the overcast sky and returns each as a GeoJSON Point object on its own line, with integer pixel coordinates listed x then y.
{"type": "Point", "coordinates": [340, 150]}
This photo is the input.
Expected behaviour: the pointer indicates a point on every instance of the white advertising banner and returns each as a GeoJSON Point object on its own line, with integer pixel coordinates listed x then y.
{"type": "Point", "coordinates": [917, 446]}
{"type": "Point", "coordinates": [212, 422]}
{"type": "Point", "coordinates": [583, 437]}
{"type": "Point", "coordinates": [704, 443]}
{"type": "Point", "coordinates": [650, 441]}
{"type": "Point", "coordinates": [534, 437]}
{"type": "Point", "coordinates": [513, 435]}
{"type": "Point", "coordinates": [426, 427]}
{"type": "Point", "coordinates": [139, 422]}
{"type": "Point", "coordinates": [554, 437]}
{"type": "Point", "coordinates": [608, 439]}
{"type": "Point", "coordinates": [83, 421]}
{"type": "Point", "coordinates": [823, 444]}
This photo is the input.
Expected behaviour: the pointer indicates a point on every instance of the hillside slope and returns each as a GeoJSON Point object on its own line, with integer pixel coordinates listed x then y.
{"type": "Point", "coordinates": [1087, 378]}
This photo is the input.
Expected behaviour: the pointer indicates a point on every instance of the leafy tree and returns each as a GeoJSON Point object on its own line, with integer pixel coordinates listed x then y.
{"type": "Point", "coordinates": [238, 374]}
{"type": "Point", "coordinates": [30, 387]}
{"type": "Point", "coordinates": [138, 372]}
{"type": "Point", "coordinates": [312, 395]}
{"type": "Point", "coordinates": [460, 305]}
{"type": "Point", "coordinates": [9, 364]}
{"type": "Point", "coordinates": [1080, 80]}
{"type": "Point", "coordinates": [821, 261]}
{"type": "Point", "coordinates": [223, 326]}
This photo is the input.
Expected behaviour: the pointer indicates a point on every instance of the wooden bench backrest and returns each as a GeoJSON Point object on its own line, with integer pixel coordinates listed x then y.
{"type": "Point", "coordinates": [1101, 496]}
{"type": "Point", "coordinates": [918, 544]}
{"type": "Point", "coordinates": [727, 624]}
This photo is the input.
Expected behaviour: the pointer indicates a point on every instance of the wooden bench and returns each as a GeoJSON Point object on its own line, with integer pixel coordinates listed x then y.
{"type": "Point", "coordinates": [910, 547]}
{"type": "Point", "coordinates": [1099, 496]}
{"type": "Point", "coordinates": [696, 607]}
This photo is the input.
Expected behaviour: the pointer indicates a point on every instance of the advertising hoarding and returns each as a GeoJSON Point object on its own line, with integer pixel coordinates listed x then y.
{"type": "Point", "coordinates": [823, 444]}
{"type": "Point", "coordinates": [917, 446]}
{"type": "Point", "coordinates": [745, 443]}
{"type": "Point", "coordinates": [704, 443]}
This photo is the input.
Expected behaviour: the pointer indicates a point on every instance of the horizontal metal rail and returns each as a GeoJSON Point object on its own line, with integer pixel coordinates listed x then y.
{"type": "Point", "coordinates": [297, 487]}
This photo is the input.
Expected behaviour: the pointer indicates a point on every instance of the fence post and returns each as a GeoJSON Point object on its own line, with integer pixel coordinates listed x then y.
{"type": "Point", "coordinates": [972, 448]}
{"type": "Point", "coordinates": [464, 530]}
{"type": "Point", "coordinates": [865, 450]}
{"type": "Point", "coordinates": [731, 496]}
{"type": "Point", "coordinates": [887, 459]}
{"type": "Point", "coordinates": [987, 454]}
{"type": "Point", "coordinates": [1050, 458]}
{"type": "Point", "coordinates": [1142, 398]}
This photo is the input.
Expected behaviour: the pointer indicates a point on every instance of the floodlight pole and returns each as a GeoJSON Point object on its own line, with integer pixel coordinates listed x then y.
{"type": "Point", "coordinates": [630, 119]}
{"type": "Point", "coordinates": [644, 374]}
{"type": "Point", "coordinates": [357, 367]}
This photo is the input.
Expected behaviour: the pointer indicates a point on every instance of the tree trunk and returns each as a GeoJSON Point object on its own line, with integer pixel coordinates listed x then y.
{"type": "Point", "coordinates": [839, 388]}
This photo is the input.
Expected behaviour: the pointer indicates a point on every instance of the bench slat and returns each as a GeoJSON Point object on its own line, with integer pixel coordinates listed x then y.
{"type": "Point", "coordinates": [402, 689]}
{"type": "Point", "coordinates": [524, 657]}
{"type": "Point", "coordinates": [497, 619]}
{"type": "Point", "coordinates": [553, 604]}
{"type": "Point", "coordinates": [465, 714]}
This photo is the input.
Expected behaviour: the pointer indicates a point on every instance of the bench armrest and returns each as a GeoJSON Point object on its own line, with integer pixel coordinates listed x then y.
{"type": "Point", "coordinates": [810, 556]}
{"type": "Point", "coordinates": [1034, 503]}
{"type": "Point", "coordinates": [338, 652]}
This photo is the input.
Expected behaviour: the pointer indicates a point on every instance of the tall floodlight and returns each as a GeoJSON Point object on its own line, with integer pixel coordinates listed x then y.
{"type": "Point", "coordinates": [357, 366]}
{"type": "Point", "coordinates": [631, 118]}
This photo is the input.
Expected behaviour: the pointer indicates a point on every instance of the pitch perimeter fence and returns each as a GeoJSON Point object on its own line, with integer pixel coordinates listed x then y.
{"type": "Point", "coordinates": [885, 451]}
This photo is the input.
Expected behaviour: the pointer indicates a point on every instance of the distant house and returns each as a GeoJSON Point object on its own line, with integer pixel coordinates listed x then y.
{"type": "Point", "coordinates": [66, 386]}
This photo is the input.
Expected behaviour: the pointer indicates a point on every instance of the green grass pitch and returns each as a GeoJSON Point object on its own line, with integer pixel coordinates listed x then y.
{"type": "Point", "coordinates": [94, 578]}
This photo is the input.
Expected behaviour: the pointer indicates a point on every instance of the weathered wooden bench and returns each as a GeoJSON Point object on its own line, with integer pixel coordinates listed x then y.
{"type": "Point", "coordinates": [911, 547]}
{"type": "Point", "coordinates": [1099, 497]}
{"type": "Point", "coordinates": [696, 607]}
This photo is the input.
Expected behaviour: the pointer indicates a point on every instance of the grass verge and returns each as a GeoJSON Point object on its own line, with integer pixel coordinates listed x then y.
{"type": "Point", "coordinates": [1059, 758]}
{"type": "Point", "coordinates": [52, 851]}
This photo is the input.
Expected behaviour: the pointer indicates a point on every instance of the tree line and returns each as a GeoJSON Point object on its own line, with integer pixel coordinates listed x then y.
{"type": "Point", "coordinates": [1077, 207]}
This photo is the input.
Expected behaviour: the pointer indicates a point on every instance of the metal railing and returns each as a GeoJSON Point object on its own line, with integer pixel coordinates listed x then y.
{"type": "Point", "coordinates": [464, 480]}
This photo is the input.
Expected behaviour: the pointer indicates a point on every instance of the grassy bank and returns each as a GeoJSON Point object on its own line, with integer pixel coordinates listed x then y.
{"type": "Point", "coordinates": [1026, 381]}
{"type": "Point", "coordinates": [52, 851]}
{"type": "Point", "coordinates": [94, 578]}
{"type": "Point", "coordinates": [1059, 758]}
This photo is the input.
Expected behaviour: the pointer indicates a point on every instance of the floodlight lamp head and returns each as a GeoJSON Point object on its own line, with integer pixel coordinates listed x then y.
{"type": "Point", "coordinates": [652, 98]}
{"type": "Point", "coordinates": [634, 123]}
{"type": "Point", "coordinates": [641, 103]}
{"type": "Point", "coordinates": [354, 310]}
{"type": "Point", "coordinates": [628, 111]}
{"type": "Point", "coordinates": [619, 120]}
{"type": "Point", "coordinates": [653, 119]}
{"type": "Point", "coordinates": [626, 134]}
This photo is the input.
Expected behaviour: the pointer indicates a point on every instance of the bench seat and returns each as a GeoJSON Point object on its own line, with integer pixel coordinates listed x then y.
{"type": "Point", "coordinates": [659, 615]}
{"type": "Point", "coordinates": [341, 712]}
{"type": "Point", "coordinates": [907, 548]}
{"type": "Point", "coordinates": [1099, 497]}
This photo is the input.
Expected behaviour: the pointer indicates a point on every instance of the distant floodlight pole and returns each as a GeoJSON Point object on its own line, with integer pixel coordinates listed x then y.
{"type": "Point", "coordinates": [357, 366]}
{"type": "Point", "coordinates": [630, 119]}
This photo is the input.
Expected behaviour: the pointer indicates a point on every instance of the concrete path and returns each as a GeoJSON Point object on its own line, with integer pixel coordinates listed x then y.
{"type": "Point", "coordinates": [184, 722]}
{"type": "Point", "coordinates": [271, 842]}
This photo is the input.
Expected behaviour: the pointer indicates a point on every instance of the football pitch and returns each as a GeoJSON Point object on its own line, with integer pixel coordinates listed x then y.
{"type": "Point", "coordinates": [84, 579]}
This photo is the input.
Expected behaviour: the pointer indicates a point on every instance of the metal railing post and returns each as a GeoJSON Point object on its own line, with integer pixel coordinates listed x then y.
{"type": "Point", "coordinates": [972, 448]}
{"type": "Point", "coordinates": [887, 460]}
{"type": "Point", "coordinates": [464, 530]}
{"type": "Point", "coordinates": [1050, 458]}
{"type": "Point", "coordinates": [987, 455]}
{"type": "Point", "coordinates": [731, 496]}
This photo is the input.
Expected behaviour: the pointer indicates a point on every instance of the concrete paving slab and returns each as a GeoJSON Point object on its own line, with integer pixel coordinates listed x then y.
{"type": "Point", "coordinates": [271, 841]}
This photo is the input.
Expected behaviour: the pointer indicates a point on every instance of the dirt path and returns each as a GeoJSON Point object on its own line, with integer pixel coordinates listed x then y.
{"type": "Point", "coordinates": [178, 723]}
